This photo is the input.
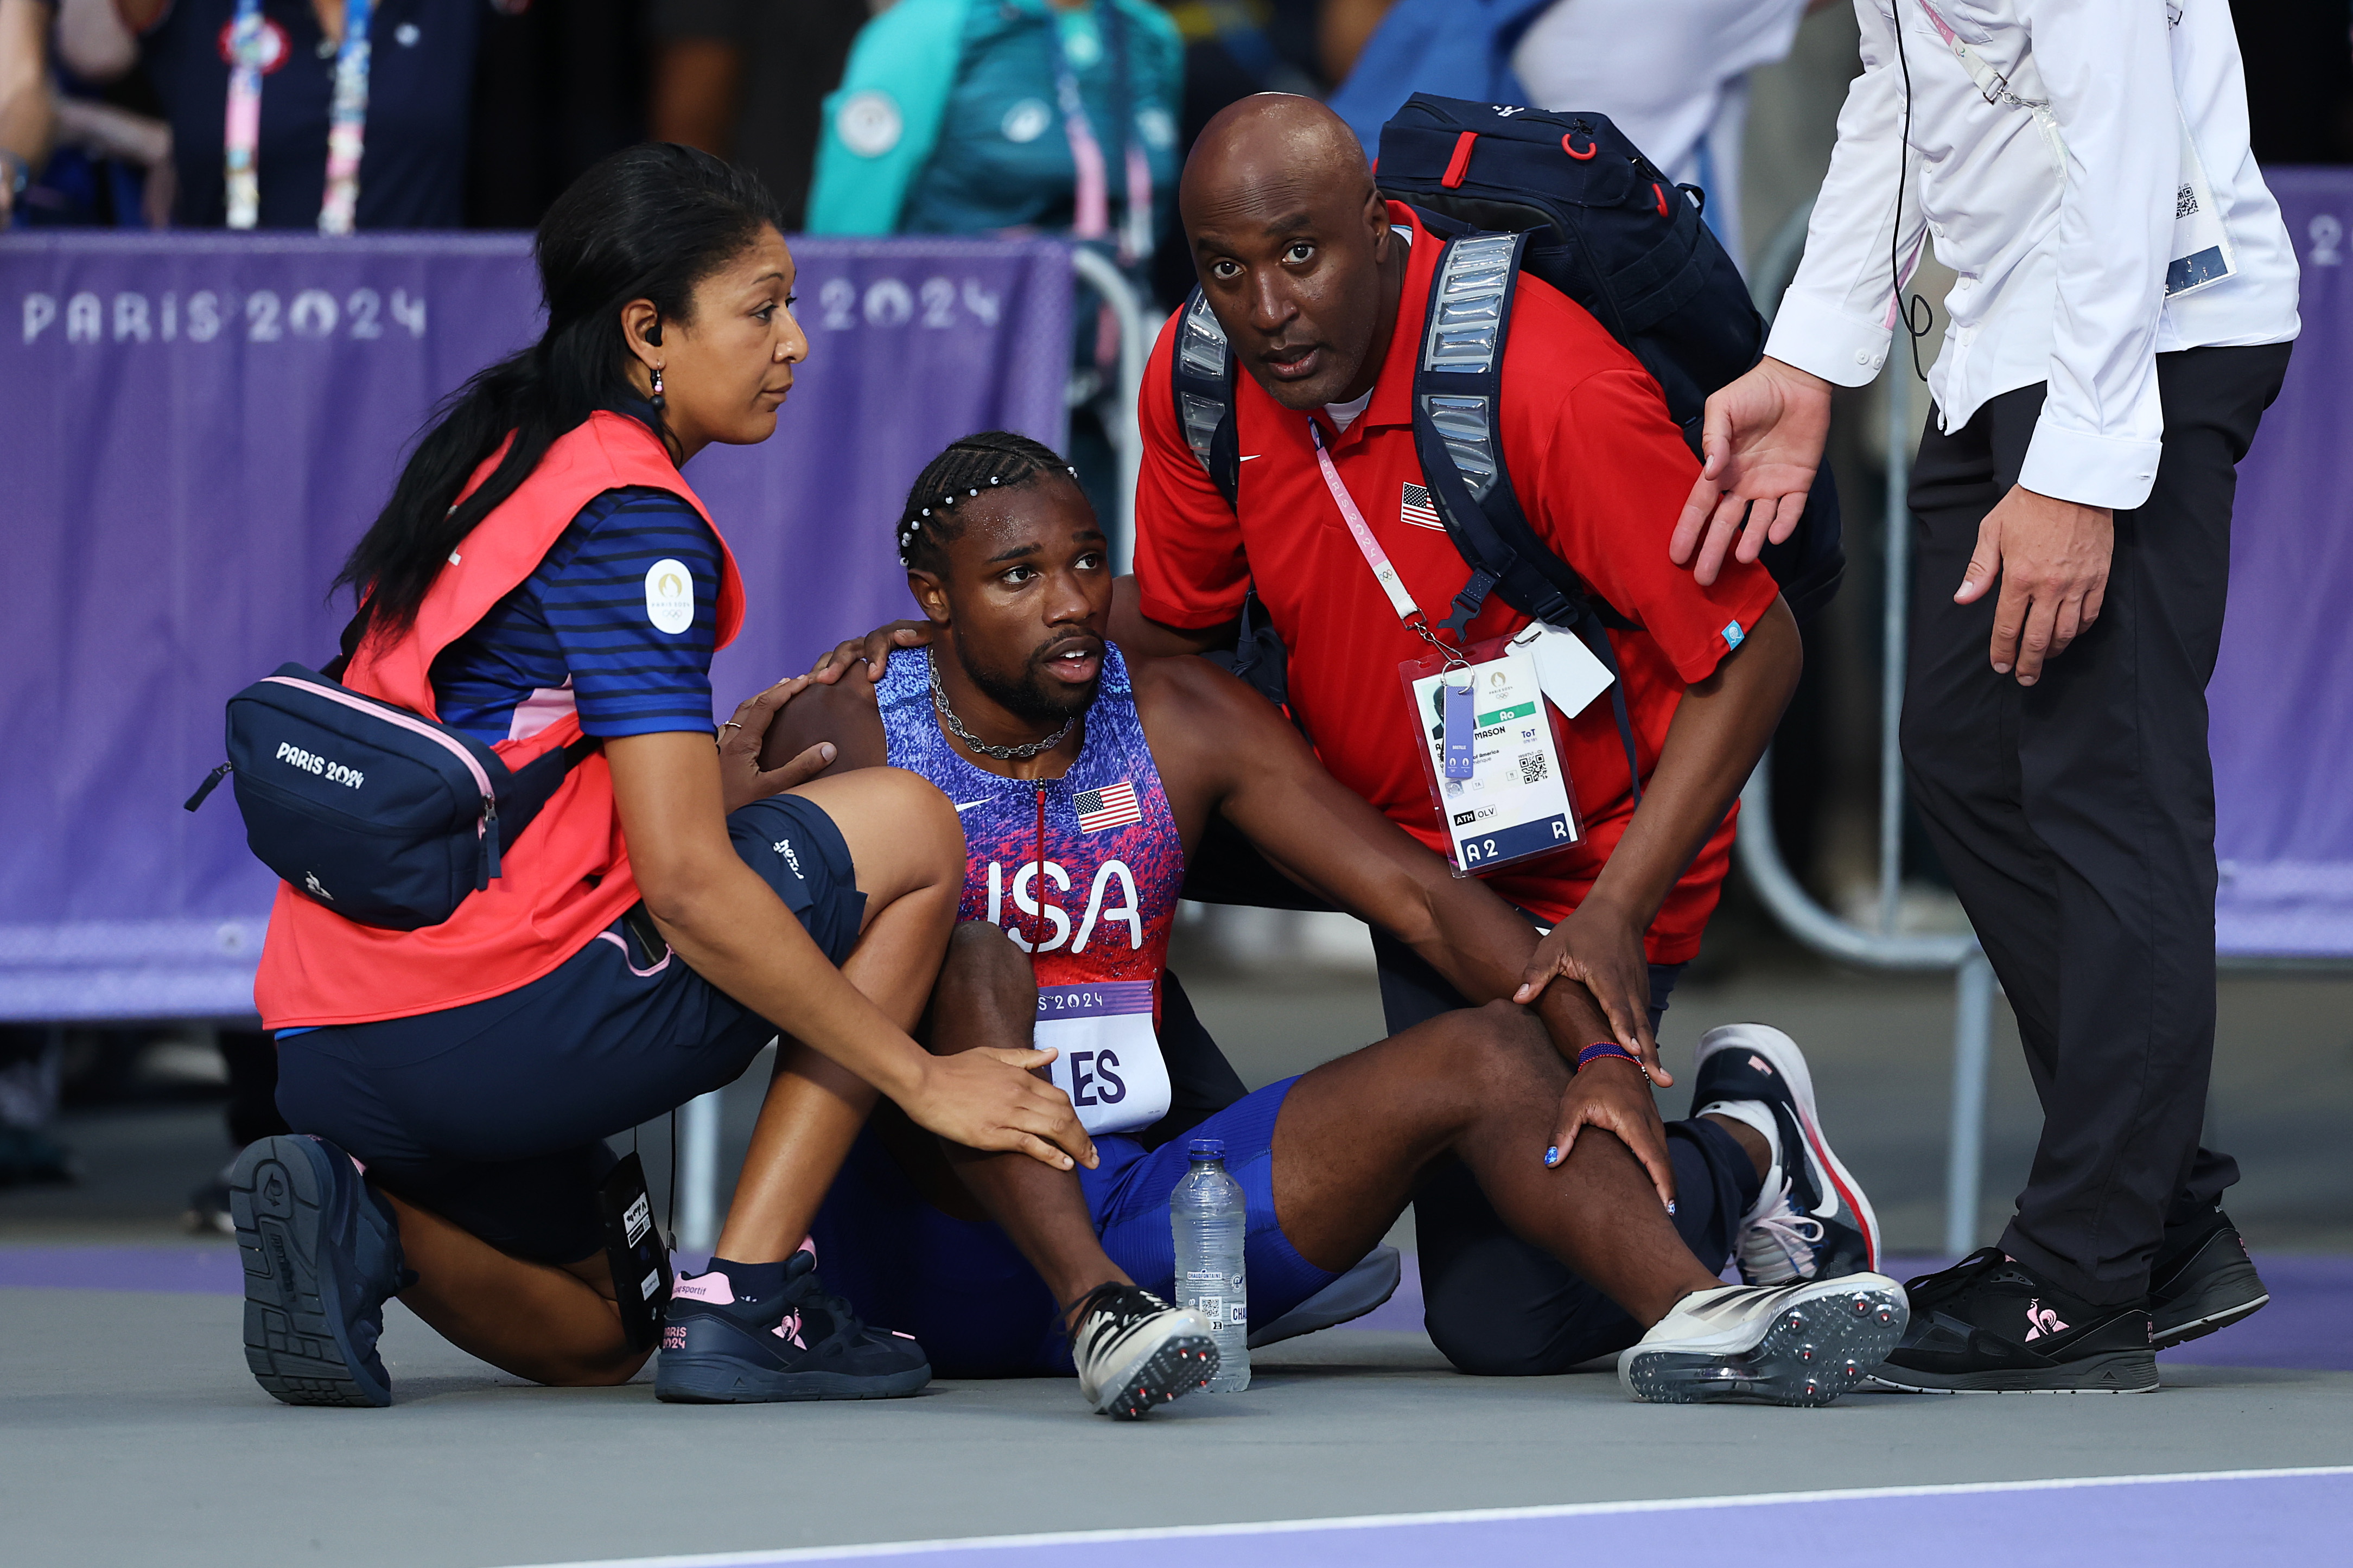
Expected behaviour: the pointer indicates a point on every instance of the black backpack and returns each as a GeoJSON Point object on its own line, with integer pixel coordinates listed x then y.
{"type": "Point", "coordinates": [1567, 198]}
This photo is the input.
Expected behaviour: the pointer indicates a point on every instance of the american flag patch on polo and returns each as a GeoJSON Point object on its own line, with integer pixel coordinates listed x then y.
{"type": "Point", "coordinates": [1112, 807]}
{"type": "Point", "coordinates": [1415, 509]}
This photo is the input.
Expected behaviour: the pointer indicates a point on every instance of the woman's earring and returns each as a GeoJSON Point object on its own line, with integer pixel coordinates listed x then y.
{"type": "Point", "coordinates": [659, 402]}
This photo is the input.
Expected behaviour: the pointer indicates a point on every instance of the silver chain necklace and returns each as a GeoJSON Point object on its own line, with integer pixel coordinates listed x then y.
{"type": "Point", "coordinates": [955, 725]}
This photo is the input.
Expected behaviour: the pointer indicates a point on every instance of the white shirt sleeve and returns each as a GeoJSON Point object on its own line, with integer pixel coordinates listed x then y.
{"type": "Point", "coordinates": [1838, 314]}
{"type": "Point", "coordinates": [2107, 66]}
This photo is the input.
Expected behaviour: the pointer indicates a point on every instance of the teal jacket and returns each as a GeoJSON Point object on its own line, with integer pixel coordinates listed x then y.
{"type": "Point", "coordinates": [946, 120]}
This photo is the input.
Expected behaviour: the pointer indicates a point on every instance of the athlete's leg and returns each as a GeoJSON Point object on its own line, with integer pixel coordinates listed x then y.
{"type": "Point", "coordinates": [1355, 1134]}
{"type": "Point", "coordinates": [987, 997]}
{"type": "Point", "coordinates": [908, 853]}
{"type": "Point", "coordinates": [556, 1325]}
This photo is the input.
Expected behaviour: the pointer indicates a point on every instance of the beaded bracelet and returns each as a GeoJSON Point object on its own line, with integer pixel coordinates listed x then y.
{"type": "Point", "coordinates": [1602, 1050]}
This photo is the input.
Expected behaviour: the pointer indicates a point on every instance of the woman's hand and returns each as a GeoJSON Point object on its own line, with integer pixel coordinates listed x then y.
{"type": "Point", "coordinates": [741, 780]}
{"type": "Point", "coordinates": [1613, 1096]}
{"type": "Point", "coordinates": [1601, 950]}
{"type": "Point", "coordinates": [989, 1099]}
{"type": "Point", "coordinates": [870, 651]}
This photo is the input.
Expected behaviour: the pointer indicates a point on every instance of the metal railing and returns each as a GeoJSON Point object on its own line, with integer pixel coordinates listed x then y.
{"type": "Point", "coordinates": [1882, 946]}
{"type": "Point", "coordinates": [699, 1120]}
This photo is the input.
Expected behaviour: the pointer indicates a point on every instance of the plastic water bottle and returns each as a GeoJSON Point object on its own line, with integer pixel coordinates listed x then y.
{"type": "Point", "coordinates": [1207, 1217]}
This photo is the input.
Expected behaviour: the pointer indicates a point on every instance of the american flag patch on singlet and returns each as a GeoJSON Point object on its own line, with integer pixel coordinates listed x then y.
{"type": "Point", "coordinates": [1114, 805]}
{"type": "Point", "coordinates": [1415, 509]}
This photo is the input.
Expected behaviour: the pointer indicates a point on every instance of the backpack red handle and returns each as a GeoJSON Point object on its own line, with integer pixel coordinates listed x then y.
{"type": "Point", "coordinates": [1591, 147]}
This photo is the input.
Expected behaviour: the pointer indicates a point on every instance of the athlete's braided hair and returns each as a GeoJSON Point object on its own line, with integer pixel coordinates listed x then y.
{"type": "Point", "coordinates": [997, 460]}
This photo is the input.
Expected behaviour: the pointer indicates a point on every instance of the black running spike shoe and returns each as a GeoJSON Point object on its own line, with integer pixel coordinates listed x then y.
{"type": "Point", "coordinates": [719, 1348]}
{"type": "Point", "coordinates": [1989, 1324]}
{"type": "Point", "coordinates": [2202, 1280]}
{"type": "Point", "coordinates": [1135, 1351]}
{"type": "Point", "coordinates": [322, 1254]}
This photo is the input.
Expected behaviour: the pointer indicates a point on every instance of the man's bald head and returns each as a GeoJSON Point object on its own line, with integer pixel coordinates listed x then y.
{"type": "Point", "coordinates": [1292, 243]}
{"type": "Point", "coordinates": [1271, 146]}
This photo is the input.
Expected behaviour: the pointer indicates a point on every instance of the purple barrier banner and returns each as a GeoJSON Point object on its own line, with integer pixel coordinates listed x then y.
{"type": "Point", "coordinates": [198, 428]}
{"type": "Point", "coordinates": [2282, 697]}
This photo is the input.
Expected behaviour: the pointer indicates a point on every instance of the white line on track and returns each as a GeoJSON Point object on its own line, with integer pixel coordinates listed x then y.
{"type": "Point", "coordinates": [880, 1549]}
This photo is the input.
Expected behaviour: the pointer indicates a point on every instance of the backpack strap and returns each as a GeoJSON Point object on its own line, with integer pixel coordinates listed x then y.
{"type": "Point", "coordinates": [1458, 393]}
{"type": "Point", "coordinates": [1202, 375]}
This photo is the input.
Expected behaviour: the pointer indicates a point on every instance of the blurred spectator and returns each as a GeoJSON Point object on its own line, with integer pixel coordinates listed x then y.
{"type": "Point", "coordinates": [403, 98]}
{"type": "Point", "coordinates": [746, 79]}
{"type": "Point", "coordinates": [1016, 116]}
{"type": "Point", "coordinates": [27, 106]}
{"type": "Point", "coordinates": [967, 117]}
{"type": "Point", "coordinates": [1670, 74]}
{"type": "Point", "coordinates": [558, 87]}
{"type": "Point", "coordinates": [32, 1059]}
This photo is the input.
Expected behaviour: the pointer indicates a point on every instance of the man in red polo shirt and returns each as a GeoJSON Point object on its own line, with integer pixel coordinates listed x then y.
{"type": "Point", "coordinates": [1321, 288]}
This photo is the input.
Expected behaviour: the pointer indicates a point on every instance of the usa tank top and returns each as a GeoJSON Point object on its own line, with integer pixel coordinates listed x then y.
{"type": "Point", "coordinates": [1081, 872]}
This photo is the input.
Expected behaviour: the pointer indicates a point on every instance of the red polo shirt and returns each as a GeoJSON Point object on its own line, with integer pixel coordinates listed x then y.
{"type": "Point", "coordinates": [1601, 472]}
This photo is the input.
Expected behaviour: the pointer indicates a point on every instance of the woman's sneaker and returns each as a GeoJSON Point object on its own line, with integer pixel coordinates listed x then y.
{"type": "Point", "coordinates": [1135, 1351]}
{"type": "Point", "coordinates": [1782, 1344]}
{"type": "Point", "coordinates": [2202, 1280]}
{"type": "Point", "coordinates": [1989, 1324]}
{"type": "Point", "coordinates": [719, 1348]}
{"type": "Point", "coordinates": [1812, 1220]}
{"type": "Point", "coordinates": [322, 1253]}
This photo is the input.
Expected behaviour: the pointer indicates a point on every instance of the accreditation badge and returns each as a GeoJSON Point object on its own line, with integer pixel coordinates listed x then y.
{"type": "Point", "coordinates": [1491, 757]}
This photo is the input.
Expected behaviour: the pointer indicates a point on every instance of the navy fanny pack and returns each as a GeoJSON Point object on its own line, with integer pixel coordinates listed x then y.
{"type": "Point", "coordinates": [366, 808]}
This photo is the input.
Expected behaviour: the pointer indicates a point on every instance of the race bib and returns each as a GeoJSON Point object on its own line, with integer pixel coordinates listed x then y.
{"type": "Point", "coordinates": [1110, 1063]}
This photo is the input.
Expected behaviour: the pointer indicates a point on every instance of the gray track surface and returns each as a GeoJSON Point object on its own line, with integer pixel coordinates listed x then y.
{"type": "Point", "coordinates": [130, 1433]}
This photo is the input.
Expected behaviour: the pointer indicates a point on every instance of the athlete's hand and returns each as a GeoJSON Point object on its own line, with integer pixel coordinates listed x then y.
{"type": "Point", "coordinates": [989, 1099]}
{"type": "Point", "coordinates": [1612, 1095]}
{"type": "Point", "coordinates": [1602, 951]}
{"type": "Point", "coordinates": [2052, 558]}
{"type": "Point", "coordinates": [1762, 440]}
{"type": "Point", "coordinates": [741, 780]}
{"type": "Point", "coordinates": [870, 652]}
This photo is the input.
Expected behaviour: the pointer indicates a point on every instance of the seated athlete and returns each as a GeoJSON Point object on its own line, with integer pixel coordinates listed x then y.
{"type": "Point", "coordinates": [1080, 783]}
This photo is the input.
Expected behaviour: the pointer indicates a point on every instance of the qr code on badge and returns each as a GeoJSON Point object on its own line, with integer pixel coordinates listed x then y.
{"type": "Point", "coordinates": [1533, 768]}
{"type": "Point", "coordinates": [2185, 201]}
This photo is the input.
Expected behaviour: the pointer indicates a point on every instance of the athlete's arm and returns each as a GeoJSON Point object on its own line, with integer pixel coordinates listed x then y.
{"type": "Point", "coordinates": [729, 927]}
{"type": "Point", "coordinates": [1221, 747]}
{"type": "Point", "coordinates": [1141, 637]}
{"type": "Point", "coordinates": [1719, 730]}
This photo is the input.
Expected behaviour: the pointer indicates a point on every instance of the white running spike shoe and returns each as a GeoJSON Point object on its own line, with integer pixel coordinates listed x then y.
{"type": "Point", "coordinates": [1812, 1221]}
{"type": "Point", "coordinates": [1135, 1351]}
{"type": "Point", "coordinates": [1803, 1344]}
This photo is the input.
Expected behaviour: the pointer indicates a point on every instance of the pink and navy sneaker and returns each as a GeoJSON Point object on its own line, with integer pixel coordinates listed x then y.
{"type": "Point", "coordinates": [719, 1348]}
{"type": "Point", "coordinates": [322, 1253]}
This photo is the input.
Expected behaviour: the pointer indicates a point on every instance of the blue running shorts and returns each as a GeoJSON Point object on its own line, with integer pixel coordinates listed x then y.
{"type": "Point", "coordinates": [965, 1292]}
{"type": "Point", "coordinates": [494, 1115]}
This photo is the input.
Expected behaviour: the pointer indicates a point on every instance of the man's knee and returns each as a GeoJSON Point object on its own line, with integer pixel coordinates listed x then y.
{"type": "Point", "coordinates": [1502, 1049]}
{"type": "Point", "coordinates": [983, 977]}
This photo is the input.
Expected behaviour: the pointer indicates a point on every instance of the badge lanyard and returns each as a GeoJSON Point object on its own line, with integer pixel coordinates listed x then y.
{"type": "Point", "coordinates": [1091, 207]}
{"type": "Point", "coordinates": [1457, 717]}
{"type": "Point", "coordinates": [346, 122]}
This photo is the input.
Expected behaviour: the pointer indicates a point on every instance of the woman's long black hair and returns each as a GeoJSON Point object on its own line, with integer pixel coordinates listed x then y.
{"type": "Point", "coordinates": [649, 223]}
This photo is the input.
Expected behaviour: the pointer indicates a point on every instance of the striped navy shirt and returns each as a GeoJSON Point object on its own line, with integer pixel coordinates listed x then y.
{"type": "Point", "coordinates": [618, 621]}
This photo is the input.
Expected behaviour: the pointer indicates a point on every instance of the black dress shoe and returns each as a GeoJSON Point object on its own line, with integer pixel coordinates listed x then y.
{"type": "Point", "coordinates": [2202, 1280]}
{"type": "Point", "coordinates": [1989, 1324]}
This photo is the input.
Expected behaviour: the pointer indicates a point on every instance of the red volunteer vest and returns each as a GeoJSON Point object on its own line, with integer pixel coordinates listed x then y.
{"type": "Point", "coordinates": [568, 878]}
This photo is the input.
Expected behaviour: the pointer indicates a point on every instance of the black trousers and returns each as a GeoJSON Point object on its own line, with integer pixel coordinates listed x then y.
{"type": "Point", "coordinates": [2076, 817]}
{"type": "Point", "coordinates": [1495, 1304]}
